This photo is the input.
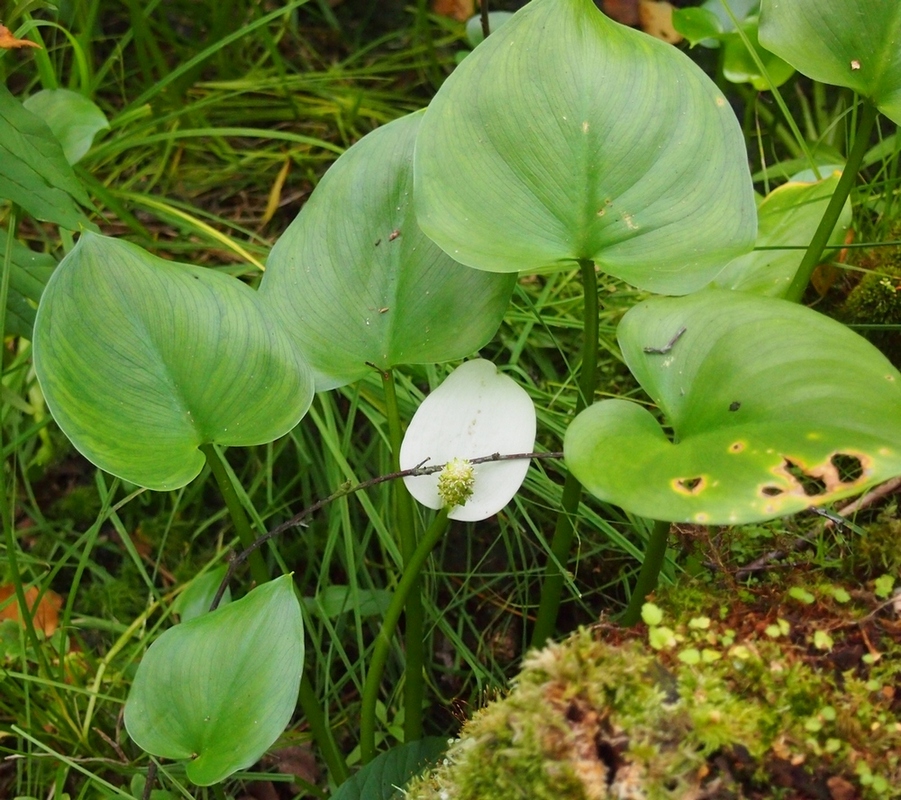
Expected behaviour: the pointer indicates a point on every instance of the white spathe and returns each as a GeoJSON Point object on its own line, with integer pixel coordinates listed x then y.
{"type": "Point", "coordinates": [476, 412]}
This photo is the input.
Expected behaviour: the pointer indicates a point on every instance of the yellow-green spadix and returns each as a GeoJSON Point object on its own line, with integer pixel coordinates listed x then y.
{"type": "Point", "coordinates": [476, 412]}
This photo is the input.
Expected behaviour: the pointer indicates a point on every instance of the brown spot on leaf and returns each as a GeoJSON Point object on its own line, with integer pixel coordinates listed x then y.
{"type": "Point", "coordinates": [690, 486]}
{"type": "Point", "coordinates": [848, 467]}
{"type": "Point", "coordinates": [840, 471]}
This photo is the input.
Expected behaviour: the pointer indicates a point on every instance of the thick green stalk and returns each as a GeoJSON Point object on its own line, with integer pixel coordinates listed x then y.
{"type": "Point", "coordinates": [258, 568]}
{"type": "Point", "coordinates": [552, 588]}
{"type": "Point", "coordinates": [820, 240]}
{"type": "Point", "coordinates": [407, 585]}
{"type": "Point", "coordinates": [414, 615]}
{"type": "Point", "coordinates": [654, 556]}
{"type": "Point", "coordinates": [322, 733]}
{"type": "Point", "coordinates": [309, 703]}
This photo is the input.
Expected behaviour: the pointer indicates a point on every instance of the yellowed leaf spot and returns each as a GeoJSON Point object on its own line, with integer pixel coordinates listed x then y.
{"type": "Point", "coordinates": [690, 486]}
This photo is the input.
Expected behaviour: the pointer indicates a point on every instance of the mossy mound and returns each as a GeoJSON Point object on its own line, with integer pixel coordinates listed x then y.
{"type": "Point", "coordinates": [695, 709]}
{"type": "Point", "coordinates": [876, 300]}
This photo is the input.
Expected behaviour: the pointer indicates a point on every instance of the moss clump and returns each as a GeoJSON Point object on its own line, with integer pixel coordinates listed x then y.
{"type": "Point", "coordinates": [876, 300]}
{"type": "Point", "coordinates": [698, 712]}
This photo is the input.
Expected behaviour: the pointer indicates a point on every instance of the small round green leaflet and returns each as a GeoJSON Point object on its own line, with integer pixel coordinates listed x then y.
{"type": "Point", "coordinates": [142, 360]}
{"type": "Point", "coordinates": [74, 119]}
{"type": "Point", "coordinates": [220, 689]}
{"type": "Point", "coordinates": [565, 136]}
{"type": "Point", "coordinates": [774, 409]}
{"type": "Point", "coordinates": [787, 218]}
{"type": "Point", "coordinates": [357, 284]}
{"type": "Point", "coordinates": [853, 43]}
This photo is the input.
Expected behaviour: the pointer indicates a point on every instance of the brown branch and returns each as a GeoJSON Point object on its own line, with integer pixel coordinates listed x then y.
{"type": "Point", "coordinates": [347, 489]}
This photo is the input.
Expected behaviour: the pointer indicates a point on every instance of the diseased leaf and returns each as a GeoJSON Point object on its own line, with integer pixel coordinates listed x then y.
{"type": "Point", "coordinates": [774, 408]}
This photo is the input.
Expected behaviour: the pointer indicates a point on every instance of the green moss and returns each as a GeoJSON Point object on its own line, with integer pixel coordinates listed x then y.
{"type": "Point", "coordinates": [711, 712]}
{"type": "Point", "coordinates": [876, 300]}
{"type": "Point", "coordinates": [876, 552]}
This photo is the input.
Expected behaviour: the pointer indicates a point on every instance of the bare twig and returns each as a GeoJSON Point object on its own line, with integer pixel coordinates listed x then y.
{"type": "Point", "coordinates": [346, 489]}
{"type": "Point", "coordinates": [870, 498]}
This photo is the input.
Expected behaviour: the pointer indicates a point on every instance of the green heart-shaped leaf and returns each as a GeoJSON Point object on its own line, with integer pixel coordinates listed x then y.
{"type": "Point", "coordinates": [143, 360]}
{"type": "Point", "coordinates": [774, 408]}
{"type": "Point", "coordinates": [851, 43]}
{"type": "Point", "coordinates": [74, 119]}
{"type": "Point", "coordinates": [354, 279]}
{"type": "Point", "coordinates": [567, 136]}
{"type": "Point", "coordinates": [787, 218]}
{"type": "Point", "coordinates": [220, 689]}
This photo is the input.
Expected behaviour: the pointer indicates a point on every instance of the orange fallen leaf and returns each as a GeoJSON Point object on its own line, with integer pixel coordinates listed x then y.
{"type": "Point", "coordinates": [656, 19]}
{"type": "Point", "coordinates": [8, 41]}
{"type": "Point", "coordinates": [460, 10]}
{"type": "Point", "coordinates": [46, 617]}
{"type": "Point", "coordinates": [623, 11]}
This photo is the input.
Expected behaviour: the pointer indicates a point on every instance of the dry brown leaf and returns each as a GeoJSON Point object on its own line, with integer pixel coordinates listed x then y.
{"type": "Point", "coordinates": [9, 42]}
{"type": "Point", "coordinates": [297, 760]}
{"type": "Point", "coordinates": [623, 11]}
{"type": "Point", "coordinates": [460, 10]}
{"type": "Point", "coordinates": [826, 275]}
{"type": "Point", "coordinates": [46, 618]}
{"type": "Point", "coordinates": [656, 19]}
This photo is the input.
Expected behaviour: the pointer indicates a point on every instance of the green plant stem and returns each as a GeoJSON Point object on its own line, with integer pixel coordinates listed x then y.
{"type": "Point", "coordinates": [654, 556]}
{"type": "Point", "coordinates": [5, 511]}
{"type": "Point", "coordinates": [309, 703]}
{"type": "Point", "coordinates": [408, 582]}
{"type": "Point", "coordinates": [414, 615]}
{"type": "Point", "coordinates": [820, 240]}
{"type": "Point", "coordinates": [322, 733]}
{"type": "Point", "coordinates": [565, 529]}
{"type": "Point", "coordinates": [258, 568]}
{"type": "Point", "coordinates": [25, 612]}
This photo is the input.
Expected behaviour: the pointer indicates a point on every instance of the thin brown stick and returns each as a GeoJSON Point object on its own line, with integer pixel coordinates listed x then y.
{"type": "Point", "coordinates": [347, 489]}
{"type": "Point", "coordinates": [870, 498]}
